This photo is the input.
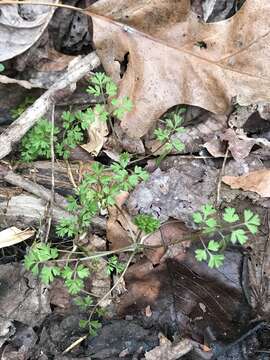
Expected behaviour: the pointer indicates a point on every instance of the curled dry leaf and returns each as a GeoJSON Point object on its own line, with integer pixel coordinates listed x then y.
{"type": "Point", "coordinates": [165, 35]}
{"type": "Point", "coordinates": [13, 235]}
{"type": "Point", "coordinates": [120, 228]}
{"type": "Point", "coordinates": [18, 34]}
{"type": "Point", "coordinates": [256, 181]}
{"type": "Point", "coordinates": [239, 144]}
{"type": "Point", "coordinates": [97, 132]}
{"type": "Point", "coordinates": [174, 232]}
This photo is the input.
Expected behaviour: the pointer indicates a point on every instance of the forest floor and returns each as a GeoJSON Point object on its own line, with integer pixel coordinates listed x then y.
{"type": "Point", "coordinates": [134, 180]}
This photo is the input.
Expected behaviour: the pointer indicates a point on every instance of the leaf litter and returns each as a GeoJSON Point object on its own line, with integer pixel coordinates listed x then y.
{"type": "Point", "coordinates": [209, 78]}
{"type": "Point", "coordinates": [171, 58]}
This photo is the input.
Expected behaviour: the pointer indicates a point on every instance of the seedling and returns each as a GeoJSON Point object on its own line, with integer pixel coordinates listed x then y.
{"type": "Point", "coordinates": [102, 85]}
{"type": "Point", "coordinates": [74, 125]}
{"type": "Point", "coordinates": [15, 113]}
{"type": "Point", "coordinates": [147, 223]}
{"type": "Point", "coordinates": [225, 228]}
{"type": "Point", "coordinates": [37, 142]}
{"type": "Point", "coordinates": [165, 134]}
{"type": "Point", "coordinates": [96, 192]}
{"type": "Point", "coordinates": [114, 265]}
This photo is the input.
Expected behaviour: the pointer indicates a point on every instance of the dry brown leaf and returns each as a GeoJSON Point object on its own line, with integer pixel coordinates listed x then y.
{"type": "Point", "coordinates": [13, 235]}
{"type": "Point", "coordinates": [256, 181]}
{"type": "Point", "coordinates": [97, 132]}
{"type": "Point", "coordinates": [167, 67]}
{"type": "Point", "coordinates": [238, 143]}
{"type": "Point", "coordinates": [54, 61]}
{"type": "Point", "coordinates": [120, 228]}
{"type": "Point", "coordinates": [170, 233]}
{"type": "Point", "coordinates": [17, 34]}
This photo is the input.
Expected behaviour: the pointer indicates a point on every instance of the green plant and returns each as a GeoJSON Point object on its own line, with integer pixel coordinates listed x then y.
{"type": "Point", "coordinates": [92, 325]}
{"type": "Point", "coordinates": [37, 141]}
{"type": "Point", "coordinates": [147, 223]}
{"type": "Point", "coordinates": [2, 67]}
{"type": "Point", "coordinates": [171, 126]}
{"type": "Point", "coordinates": [37, 261]}
{"type": "Point", "coordinates": [40, 260]}
{"type": "Point", "coordinates": [225, 228]}
{"type": "Point", "coordinates": [96, 192]}
{"type": "Point", "coordinates": [102, 85]}
{"type": "Point", "coordinates": [15, 113]}
{"type": "Point", "coordinates": [84, 302]}
{"type": "Point", "coordinates": [113, 265]}
{"type": "Point", "coordinates": [74, 125]}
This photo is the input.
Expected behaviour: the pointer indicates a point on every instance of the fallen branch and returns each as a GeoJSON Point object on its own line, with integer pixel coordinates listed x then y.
{"type": "Point", "coordinates": [31, 187]}
{"type": "Point", "coordinates": [56, 92]}
{"type": "Point", "coordinates": [45, 194]}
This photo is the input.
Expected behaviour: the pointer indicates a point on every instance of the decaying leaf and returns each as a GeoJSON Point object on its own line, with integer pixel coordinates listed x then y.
{"type": "Point", "coordinates": [240, 115]}
{"type": "Point", "coordinates": [186, 294]}
{"type": "Point", "coordinates": [24, 299]}
{"type": "Point", "coordinates": [13, 235]}
{"type": "Point", "coordinates": [97, 132]}
{"type": "Point", "coordinates": [234, 63]}
{"type": "Point", "coordinates": [163, 239]}
{"type": "Point", "coordinates": [18, 34]}
{"type": "Point", "coordinates": [101, 283]}
{"type": "Point", "coordinates": [120, 228]}
{"type": "Point", "coordinates": [214, 10]}
{"type": "Point", "coordinates": [256, 181]}
{"type": "Point", "coordinates": [238, 143]}
{"type": "Point", "coordinates": [169, 351]}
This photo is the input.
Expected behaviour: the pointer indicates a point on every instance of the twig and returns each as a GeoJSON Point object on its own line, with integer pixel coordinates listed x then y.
{"type": "Point", "coordinates": [56, 92]}
{"type": "Point", "coordinates": [43, 193]}
{"type": "Point", "coordinates": [33, 188]}
{"type": "Point", "coordinates": [51, 204]}
{"type": "Point", "coordinates": [70, 175]}
{"type": "Point", "coordinates": [25, 2]}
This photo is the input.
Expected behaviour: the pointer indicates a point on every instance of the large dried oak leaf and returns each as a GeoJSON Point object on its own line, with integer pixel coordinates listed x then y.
{"type": "Point", "coordinates": [167, 67]}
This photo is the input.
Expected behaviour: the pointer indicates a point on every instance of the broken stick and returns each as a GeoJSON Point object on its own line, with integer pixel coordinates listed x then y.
{"type": "Point", "coordinates": [19, 127]}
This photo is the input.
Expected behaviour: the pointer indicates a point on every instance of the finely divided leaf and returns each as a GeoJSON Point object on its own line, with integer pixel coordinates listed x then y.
{"type": "Point", "coordinates": [230, 215]}
{"type": "Point", "coordinates": [239, 235]}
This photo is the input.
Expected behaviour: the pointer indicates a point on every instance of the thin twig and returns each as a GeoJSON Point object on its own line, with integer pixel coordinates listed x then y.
{"type": "Point", "coordinates": [51, 204]}
{"type": "Point", "coordinates": [70, 175]}
{"type": "Point", "coordinates": [25, 2]}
